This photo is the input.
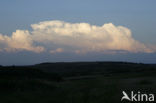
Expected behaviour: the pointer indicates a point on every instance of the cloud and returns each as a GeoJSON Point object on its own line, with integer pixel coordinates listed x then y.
{"type": "Point", "coordinates": [20, 40]}
{"type": "Point", "coordinates": [58, 50]}
{"type": "Point", "coordinates": [57, 36]}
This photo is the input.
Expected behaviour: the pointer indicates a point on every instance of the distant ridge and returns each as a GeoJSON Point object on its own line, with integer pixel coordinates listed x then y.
{"type": "Point", "coordinates": [87, 68]}
{"type": "Point", "coordinates": [88, 62]}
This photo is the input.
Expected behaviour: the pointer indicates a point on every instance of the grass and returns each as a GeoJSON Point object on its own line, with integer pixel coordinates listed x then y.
{"type": "Point", "coordinates": [35, 86]}
{"type": "Point", "coordinates": [145, 82]}
{"type": "Point", "coordinates": [94, 90]}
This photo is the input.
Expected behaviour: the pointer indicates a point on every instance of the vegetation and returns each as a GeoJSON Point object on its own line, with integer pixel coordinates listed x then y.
{"type": "Point", "coordinates": [80, 82]}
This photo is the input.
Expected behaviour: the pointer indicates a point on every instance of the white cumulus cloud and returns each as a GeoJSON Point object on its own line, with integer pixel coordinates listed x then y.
{"type": "Point", "coordinates": [20, 40]}
{"type": "Point", "coordinates": [57, 36]}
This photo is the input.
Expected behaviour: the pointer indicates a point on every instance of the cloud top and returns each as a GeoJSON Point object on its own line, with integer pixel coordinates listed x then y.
{"type": "Point", "coordinates": [60, 36]}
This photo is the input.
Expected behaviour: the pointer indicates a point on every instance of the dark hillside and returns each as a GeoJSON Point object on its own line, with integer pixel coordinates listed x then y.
{"type": "Point", "coordinates": [89, 68]}
{"type": "Point", "coordinates": [75, 82]}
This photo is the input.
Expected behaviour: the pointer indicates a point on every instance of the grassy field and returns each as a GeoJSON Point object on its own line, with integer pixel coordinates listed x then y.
{"type": "Point", "coordinates": [32, 85]}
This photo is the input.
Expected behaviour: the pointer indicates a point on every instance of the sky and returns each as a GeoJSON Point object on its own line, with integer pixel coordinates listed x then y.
{"type": "Point", "coordinates": [35, 31]}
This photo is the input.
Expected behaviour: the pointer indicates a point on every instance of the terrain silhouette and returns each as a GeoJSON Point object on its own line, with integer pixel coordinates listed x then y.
{"type": "Point", "coordinates": [75, 82]}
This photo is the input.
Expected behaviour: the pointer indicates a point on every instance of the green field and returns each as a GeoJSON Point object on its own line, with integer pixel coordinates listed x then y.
{"type": "Point", "coordinates": [75, 82]}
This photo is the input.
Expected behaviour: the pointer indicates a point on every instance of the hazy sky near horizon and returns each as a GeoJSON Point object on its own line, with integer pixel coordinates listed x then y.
{"type": "Point", "coordinates": [34, 31]}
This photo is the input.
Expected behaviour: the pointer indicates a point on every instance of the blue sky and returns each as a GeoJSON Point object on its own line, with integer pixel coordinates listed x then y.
{"type": "Point", "coordinates": [136, 15]}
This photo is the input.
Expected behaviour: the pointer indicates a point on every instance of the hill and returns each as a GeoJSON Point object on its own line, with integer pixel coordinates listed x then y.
{"type": "Point", "coordinates": [75, 82]}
